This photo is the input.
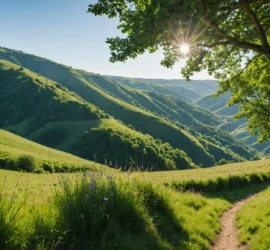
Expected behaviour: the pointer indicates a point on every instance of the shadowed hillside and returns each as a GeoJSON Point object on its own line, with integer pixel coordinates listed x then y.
{"type": "Point", "coordinates": [236, 128]}
{"type": "Point", "coordinates": [44, 111]}
{"type": "Point", "coordinates": [167, 119]}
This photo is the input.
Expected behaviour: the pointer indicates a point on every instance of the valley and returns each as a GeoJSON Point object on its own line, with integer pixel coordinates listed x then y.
{"type": "Point", "coordinates": [119, 161]}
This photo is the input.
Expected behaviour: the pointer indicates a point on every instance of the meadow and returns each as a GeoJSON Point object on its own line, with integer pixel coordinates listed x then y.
{"type": "Point", "coordinates": [97, 210]}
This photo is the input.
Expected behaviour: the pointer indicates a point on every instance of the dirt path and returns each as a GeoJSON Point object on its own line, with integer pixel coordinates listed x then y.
{"type": "Point", "coordinates": [228, 237]}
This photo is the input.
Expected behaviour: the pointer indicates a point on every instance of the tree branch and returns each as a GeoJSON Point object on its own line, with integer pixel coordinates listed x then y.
{"type": "Point", "coordinates": [234, 41]}
{"type": "Point", "coordinates": [259, 28]}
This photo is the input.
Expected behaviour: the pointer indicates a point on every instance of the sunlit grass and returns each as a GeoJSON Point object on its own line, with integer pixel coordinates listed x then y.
{"type": "Point", "coordinates": [254, 222]}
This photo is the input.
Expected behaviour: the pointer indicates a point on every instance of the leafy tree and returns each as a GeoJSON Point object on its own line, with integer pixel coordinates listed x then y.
{"type": "Point", "coordinates": [229, 39]}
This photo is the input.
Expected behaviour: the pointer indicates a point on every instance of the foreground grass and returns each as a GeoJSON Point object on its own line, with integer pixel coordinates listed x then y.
{"type": "Point", "coordinates": [101, 212]}
{"type": "Point", "coordinates": [255, 228]}
{"type": "Point", "coordinates": [125, 211]}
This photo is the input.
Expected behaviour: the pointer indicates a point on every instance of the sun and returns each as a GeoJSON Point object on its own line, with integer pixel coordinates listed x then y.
{"type": "Point", "coordinates": [184, 48]}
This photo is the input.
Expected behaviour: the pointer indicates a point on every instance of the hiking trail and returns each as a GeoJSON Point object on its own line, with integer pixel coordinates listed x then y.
{"type": "Point", "coordinates": [228, 236]}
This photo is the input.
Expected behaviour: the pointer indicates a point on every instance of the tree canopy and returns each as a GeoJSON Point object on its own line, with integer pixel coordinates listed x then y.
{"type": "Point", "coordinates": [230, 39]}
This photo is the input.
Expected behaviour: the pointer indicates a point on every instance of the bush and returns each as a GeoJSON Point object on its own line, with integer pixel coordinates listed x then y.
{"type": "Point", "coordinates": [26, 163]}
{"type": "Point", "coordinates": [58, 168]}
{"type": "Point", "coordinates": [39, 171]}
{"type": "Point", "coordinates": [11, 164]}
{"type": "Point", "coordinates": [48, 167]}
{"type": "Point", "coordinates": [223, 162]}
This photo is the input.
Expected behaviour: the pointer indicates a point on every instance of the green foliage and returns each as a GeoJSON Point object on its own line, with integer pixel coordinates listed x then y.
{"type": "Point", "coordinates": [219, 184]}
{"type": "Point", "coordinates": [11, 164]}
{"type": "Point", "coordinates": [17, 153]}
{"type": "Point", "coordinates": [126, 150]}
{"type": "Point", "coordinates": [14, 107]}
{"type": "Point", "coordinates": [251, 90]}
{"type": "Point", "coordinates": [150, 113]}
{"type": "Point", "coordinates": [48, 166]}
{"type": "Point", "coordinates": [223, 162]}
{"type": "Point", "coordinates": [26, 163]}
{"type": "Point", "coordinates": [229, 40]}
{"type": "Point", "coordinates": [237, 128]}
{"type": "Point", "coordinates": [53, 137]}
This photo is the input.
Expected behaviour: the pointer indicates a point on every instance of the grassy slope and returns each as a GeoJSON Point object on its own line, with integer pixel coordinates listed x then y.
{"type": "Point", "coordinates": [14, 145]}
{"type": "Point", "coordinates": [171, 220]}
{"type": "Point", "coordinates": [174, 91]}
{"type": "Point", "coordinates": [237, 128]}
{"type": "Point", "coordinates": [114, 99]}
{"type": "Point", "coordinates": [196, 120]}
{"type": "Point", "coordinates": [52, 116]}
{"type": "Point", "coordinates": [201, 87]}
{"type": "Point", "coordinates": [255, 228]}
{"type": "Point", "coordinates": [57, 118]}
{"type": "Point", "coordinates": [157, 127]}
{"type": "Point", "coordinates": [262, 166]}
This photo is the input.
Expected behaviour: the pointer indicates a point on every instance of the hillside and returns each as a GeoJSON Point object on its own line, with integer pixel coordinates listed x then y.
{"type": "Point", "coordinates": [13, 146]}
{"type": "Point", "coordinates": [177, 88]}
{"type": "Point", "coordinates": [165, 89]}
{"type": "Point", "coordinates": [43, 111]}
{"type": "Point", "coordinates": [170, 120]}
{"type": "Point", "coordinates": [236, 128]}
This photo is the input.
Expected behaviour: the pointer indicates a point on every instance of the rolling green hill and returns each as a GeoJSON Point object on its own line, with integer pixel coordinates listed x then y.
{"type": "Point", "coordinates": [13, 146]}
{"type": "Point", "coordinates": [164, 118]}
{"type": "Point", "coordinates": [236, 128]}
{"type": "Point", "coordinates": [44, 111]}
{"type": "Point", "coordinates": [165, 89]}
{"type": "Point", "coordinates": [177, 88]}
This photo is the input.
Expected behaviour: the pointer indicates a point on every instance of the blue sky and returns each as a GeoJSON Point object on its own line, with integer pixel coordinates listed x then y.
{"type": "Point", "coordinates": [63, 31]}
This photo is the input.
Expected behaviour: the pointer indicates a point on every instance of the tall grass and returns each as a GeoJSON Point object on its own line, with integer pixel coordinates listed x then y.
{"type": "Point", "coordinates": [217, 184]}
{"type": "Point", "coordinates": [255, 228]}
{"type": "Point", "coordinates": [10, 234]}
{"type": "Point", "coordinates": [98, 211]}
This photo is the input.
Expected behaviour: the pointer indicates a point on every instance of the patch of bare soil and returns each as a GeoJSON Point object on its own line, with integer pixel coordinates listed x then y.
{"type": "Point", "coordinates": [228, 237]}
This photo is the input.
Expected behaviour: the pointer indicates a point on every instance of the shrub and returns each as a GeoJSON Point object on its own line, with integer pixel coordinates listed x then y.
{"type": "Point", "coordinates": [11, 164]}
{"type": "Point", "coordinates": [26, 163]}
{"type": "Point", "coordinates": [223, 162]}
{"type": "Point", "coordinates": [58, 168]}
{"type": "Point", "coordinates": [48, 167]}
{"type": "Point", "coordinates": [39, 171]}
